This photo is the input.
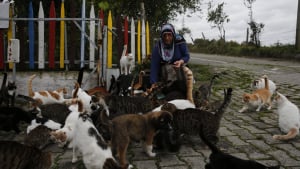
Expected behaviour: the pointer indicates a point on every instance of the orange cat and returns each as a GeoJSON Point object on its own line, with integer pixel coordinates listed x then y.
{"type": "Point", "coordinates": [258, 98]}
{"type": "Point", "coordinates": [46, 97]}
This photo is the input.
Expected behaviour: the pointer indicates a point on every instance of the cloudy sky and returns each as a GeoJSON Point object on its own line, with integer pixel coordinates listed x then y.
{"type": "Point", "coordinates": [278, 16]}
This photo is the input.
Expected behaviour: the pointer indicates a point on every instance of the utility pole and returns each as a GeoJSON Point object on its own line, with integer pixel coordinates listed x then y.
{"type": "Point", "coordinates": [297, 45]}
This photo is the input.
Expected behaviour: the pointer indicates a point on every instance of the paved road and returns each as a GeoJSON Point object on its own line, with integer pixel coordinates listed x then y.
{"type": "Point", "coordinates": [278, 70]}
{"type": "Point", "coordinates": [247, 135]}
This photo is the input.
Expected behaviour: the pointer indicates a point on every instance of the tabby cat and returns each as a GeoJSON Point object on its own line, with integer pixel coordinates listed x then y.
{"type": "Point", "coordinates": [190, 121]}
{"type": "Point", "coordinates": [57, 112]}
{"type": "Point", "coordinates": [180, 82]}
{"type": "Point", "coordinates": [219, 159]}
{"type": "Point", "coordinates": [7, 92]}
{"type": "Point", "coordinates": [203, 93]}
{"type": "Point", "coordinates": [39, 137]}
{"type": "Point", "coordinates": [17, 155]}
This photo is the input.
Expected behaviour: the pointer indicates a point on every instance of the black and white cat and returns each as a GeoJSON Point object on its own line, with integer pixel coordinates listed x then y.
{"type": "Point", "coordinates": [96, 153]}
{"type": "Point", "coordinates": [7, 92]}
{"type": "Point", "coordinates": [43, 121]}
{"type": "Point", "coordinates": [11, 116]}
{"type": "Point", "coordinates": [221, 160]}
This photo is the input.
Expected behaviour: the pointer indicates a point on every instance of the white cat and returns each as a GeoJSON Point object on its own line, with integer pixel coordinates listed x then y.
{"type": "Point", "coordinates": [126, 62]}
{"type": "Point", "coordinates": [179, 103]}
{"type": "Point", "coordinates": [96, 153]}
{"type": "Point", "coordinates": [289, 117]}
{"type": "Point", "coordinates": [260, 83]}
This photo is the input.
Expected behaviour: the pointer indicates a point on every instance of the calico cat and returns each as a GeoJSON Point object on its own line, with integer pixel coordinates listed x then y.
{"type": "Point", "coordinates": [190, 121]}
{"type": "Point", "coordinates": [11, 116]}
{"type": "Point", "coordinates": [289, 117]}
{"type": "Point", "coordinates": [126, 62]}
{"type": "Point", "coordinates": [46, 97]}
{"type": "Point", "coordinates": [17, 155]}
{"type": "Point", "coordinates": [39, 137]}
{"type": "Point", "coordinates": [203, 93]}
{"type": "Point", "coordinates": [86, 99]}
{"type": "Point", "coordinates": [258, 98]}
{"type": "Point", "coordinates": [221, 160]}
{"type": "Point", "coordinates": [7, 92]}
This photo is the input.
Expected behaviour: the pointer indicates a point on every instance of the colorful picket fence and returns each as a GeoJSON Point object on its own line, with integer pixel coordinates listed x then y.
{"type": "Point", "coordinates": [44, 58]}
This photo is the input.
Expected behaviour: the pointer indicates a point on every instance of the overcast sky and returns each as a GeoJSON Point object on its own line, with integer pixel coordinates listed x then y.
{"type": "Point", "coordinates": [278, 16]}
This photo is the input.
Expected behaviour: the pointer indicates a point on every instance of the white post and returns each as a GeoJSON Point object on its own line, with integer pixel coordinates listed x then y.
{"type": "Point", "coordinates": [82, 35]}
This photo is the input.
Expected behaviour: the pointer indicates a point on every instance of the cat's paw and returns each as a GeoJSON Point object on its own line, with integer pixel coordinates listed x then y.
{"type": "Point", "coordinates": [130, 166]}
{"type": "Point", "coordinates": [150, 154]}
{"type": "Point", "coordinates": [276, 137]}
{"type": "Point", "coordinates": [74, 159]}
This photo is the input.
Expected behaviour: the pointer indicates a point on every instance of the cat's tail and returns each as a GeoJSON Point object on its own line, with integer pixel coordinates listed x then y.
{"type": "Point", "coordinates": [211, 146]}
{"type": "Point", "coordinates": [4, 80]}
{"type": "Point", "coordinates": [224, 105]}
{"type": "Point", "coordinates": [80, 76]}
{"type": "Point", "coordinates": [189, 83]}
{"type": "Point", "coordinates": [30, 91]}
{"type": "Point", "coordinates": [212, 80]}
{"type": "Point", "coordinates": [293, 132]}
{"type": "Point", "coordinates": [266, 82]}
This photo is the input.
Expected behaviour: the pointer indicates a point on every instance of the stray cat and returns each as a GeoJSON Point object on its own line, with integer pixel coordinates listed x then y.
{"type": "Point", "coordinates": [260, 83]}
{"type": "Point", "coordinates": [179, 104]}
{"type": "Point", "coordinates": [58, 112]}
{"type": "Point", "coordinates": [11, 116]}
{"type": "Point", "coordinates": [7, 92]}
{"type": "Point", "coordinates": [258, 98]}
{"type": "Point", "coordinates": [38, 121]}
{"type": "Point", "coordinates": [191, 120]}
{"type": "Point", "coordinates": [289, 117]}
{"type": "Point", "coordinates": [17, 155]}
{"type": "Point", "coordinates": [46, 97]}
{"type": "Point", "coordinates": [180, 82]}
{"type": "Point", "coordinates": [203, 93]}
{"type": "Point", "coordinates": [39, 137]}
{"type": "Point", "coordinates": [66, 134]}
{"type": "Point", "coordinates": [221, 160]}
{"type": "Point", "coordinates": [96, 153]}
{"type": "Point", "coordinates": [86, 99]}
{"type": "Point", "coordinates": [126, 62]}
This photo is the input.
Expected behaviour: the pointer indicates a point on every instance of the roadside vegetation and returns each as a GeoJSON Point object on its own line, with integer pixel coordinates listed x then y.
{"type": "Point", "coordinates": [278, 51]}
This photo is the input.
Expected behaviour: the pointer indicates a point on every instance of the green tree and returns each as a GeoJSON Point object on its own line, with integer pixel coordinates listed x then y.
{"type": "Point", "coordinates": [217, 17]}
{"type": "Point", "coordinates": [255, 27]}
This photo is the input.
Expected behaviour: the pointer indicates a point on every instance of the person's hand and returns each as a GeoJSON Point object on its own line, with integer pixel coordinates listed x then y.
{"type": "Point", "coordinates": [178, 63]}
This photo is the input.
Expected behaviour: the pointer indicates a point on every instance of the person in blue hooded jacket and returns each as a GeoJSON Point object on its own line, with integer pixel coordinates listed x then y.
{"type": "Point", "coordinates": [170, 49]}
